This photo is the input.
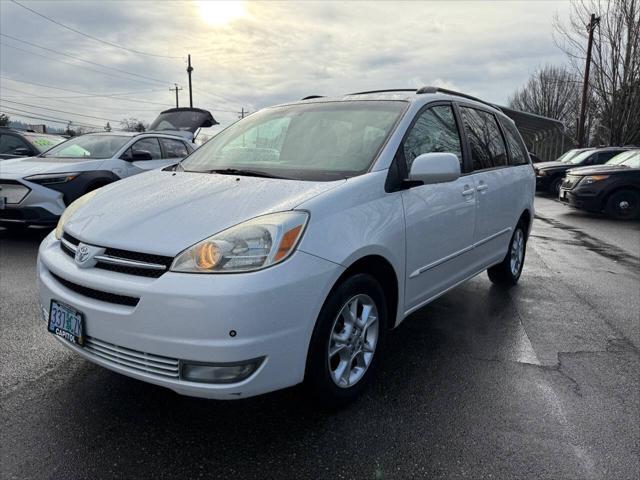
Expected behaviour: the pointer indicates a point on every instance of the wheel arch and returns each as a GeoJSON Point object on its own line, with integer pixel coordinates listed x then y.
{"type": "Point", "coordinates": [382, 270]}
{"type": "Point", "coordinates": [525, 217]}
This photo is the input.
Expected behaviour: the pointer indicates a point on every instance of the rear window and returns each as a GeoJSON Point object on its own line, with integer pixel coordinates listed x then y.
{"type": "Point", "coordinates": [516, 147]}
{"type": "Point", "coordinates": [485, 140]}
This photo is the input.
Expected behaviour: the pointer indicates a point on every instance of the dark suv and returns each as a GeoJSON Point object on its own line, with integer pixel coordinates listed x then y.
{"type": "Point", "coordinates": [549, 175]}
{"type": "Point", "coordinates": [17, 143]}
{"type": "Point", "coordinates": [613, 188]}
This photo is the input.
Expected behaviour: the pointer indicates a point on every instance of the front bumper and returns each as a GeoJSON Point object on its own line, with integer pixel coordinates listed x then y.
{"type": "Point", "coordinates": [574, 198]}
{"type": "Point", "coordinates": [542, 183]}
{"type": "Point", "coordinates": [190, 317]}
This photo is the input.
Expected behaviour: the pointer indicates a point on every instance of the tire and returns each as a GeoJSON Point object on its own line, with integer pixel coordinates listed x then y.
{"type": "Point", "coordinates": [623, 205]}
{"type": "Point", "coordinates": [507, 273]}
{"type": "Point", "coordinates": [357, 354]}
{"type": "Point", "coordinates": [554, 186]}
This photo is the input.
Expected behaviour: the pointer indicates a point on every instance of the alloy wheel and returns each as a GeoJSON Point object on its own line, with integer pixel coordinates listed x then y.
{"type": "Point", "coordinates": [354, 337]}
{"type": "Point", "coordinates": [517, 252]}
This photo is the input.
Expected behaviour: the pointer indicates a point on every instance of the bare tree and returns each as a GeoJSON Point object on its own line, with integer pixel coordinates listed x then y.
{"type": "Point", "coordinates": [551, 91]}
{"type": "Point", "coordinates": [133, 125]}
{"type": "Point", "coordinates": [615, 64]}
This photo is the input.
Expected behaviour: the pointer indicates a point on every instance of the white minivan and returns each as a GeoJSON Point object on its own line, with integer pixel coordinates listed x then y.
{"type": "Point", "coordinates": [284, 249]}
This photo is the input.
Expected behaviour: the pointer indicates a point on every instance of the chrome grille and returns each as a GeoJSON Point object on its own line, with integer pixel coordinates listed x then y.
{"type": "Point", "coordinates": [570, 181]}
{"type": "Point", "coordinates": [133, 359]}
{"type": "Point", "coordinates": [123, 261]}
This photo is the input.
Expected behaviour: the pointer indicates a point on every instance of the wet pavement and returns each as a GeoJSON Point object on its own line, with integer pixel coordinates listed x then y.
{"type": "Point", "coordinates": [541, 381]}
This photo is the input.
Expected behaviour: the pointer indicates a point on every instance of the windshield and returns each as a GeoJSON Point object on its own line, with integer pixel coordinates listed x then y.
{"type": "Point", "coordinates": [621, 157]}
{"type": "Point", "coordinates": [568, 155]}
{"type": "Point", "coordinates": [43, 143]}
{"type": "Point", "coordinates": [632, 160]}
{"type": "Point", "coordinates": [579, 158]}
{"type": "Point", "coordinates": [317, 141]}
{"type": "Point", "coordinates": [89, 146]}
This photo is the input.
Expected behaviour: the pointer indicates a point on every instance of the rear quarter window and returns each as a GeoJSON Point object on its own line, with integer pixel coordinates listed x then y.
{"type": "Point", "coordinates": [516, 147]}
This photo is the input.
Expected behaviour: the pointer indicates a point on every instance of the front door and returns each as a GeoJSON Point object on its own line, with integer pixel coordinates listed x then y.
{"type": "Point", "coordinates": [440, 218]}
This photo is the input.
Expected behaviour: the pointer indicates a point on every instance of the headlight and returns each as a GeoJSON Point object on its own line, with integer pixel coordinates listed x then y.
{"type": "Point", "coordinates": [52, 178]}
{"type": "Point", "coordinates": [255, 244]}
{"type": "Point", "coordinates": [541, 173]}
{"type": "Point", "coordinates": [593, 179]}
{"type": "Point", "coordinates": [70, 210]}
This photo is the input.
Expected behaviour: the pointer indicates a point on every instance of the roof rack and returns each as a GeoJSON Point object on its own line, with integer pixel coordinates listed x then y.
{"type": "Point", "coordinates": [385, 90]}
{"type": "Point", "coordinates": [312, 96]}
{"type": "Point", "coordinates": [429, 89]}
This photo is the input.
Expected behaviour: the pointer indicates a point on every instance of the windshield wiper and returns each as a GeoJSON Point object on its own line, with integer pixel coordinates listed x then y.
{"type": "Point", "coordinates": [243, 172]}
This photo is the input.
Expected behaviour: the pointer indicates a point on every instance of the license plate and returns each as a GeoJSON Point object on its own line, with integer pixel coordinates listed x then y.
{"type": "Point", "coordinates": [563, 194]}
{"type": "Point", "coordinates": [66, 322]}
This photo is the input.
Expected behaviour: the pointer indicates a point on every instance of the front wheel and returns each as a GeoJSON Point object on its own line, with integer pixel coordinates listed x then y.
{"type": "Point", "coordinates": [346, 343]}
{"type": "Point", "coordinates": [624, 205]}
{"type": "Point", "coordinates": [507, 273]}
{"type": "Point", "coordinates": [554, 186]}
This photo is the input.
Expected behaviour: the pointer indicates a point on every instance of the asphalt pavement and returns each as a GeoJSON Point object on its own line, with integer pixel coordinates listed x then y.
{"type": "Point", "coordinates": [541, 381]}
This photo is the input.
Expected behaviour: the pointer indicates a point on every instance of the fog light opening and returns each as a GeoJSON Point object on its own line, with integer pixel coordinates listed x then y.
{"type": "Point", "coordinates": [219, 372]}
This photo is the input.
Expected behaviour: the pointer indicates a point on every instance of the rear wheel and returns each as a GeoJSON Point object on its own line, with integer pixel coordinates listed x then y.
{"type": "Point", "coordinates": [624, 205]}
{"type": "Point", "coordinates": [346, 342]}
{"type": "Point", "coordinates": [507, 273]}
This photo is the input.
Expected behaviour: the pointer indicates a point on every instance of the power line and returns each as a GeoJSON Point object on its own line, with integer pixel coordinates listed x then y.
{"type": "Point", "coordinates": [56, 110]}
{"type": "Point", "coordinates": [131, 50]}
{"type": "Point", "coordinates": [88, 93]}
{"type": "Point", "coordinates": [83, 60]}
{"type": "Point", "coordinates": [72, 64]}
{"type": "Point", "coordinates": [29, 95]}
{"type": "Point", "coordinates": [36, 116]}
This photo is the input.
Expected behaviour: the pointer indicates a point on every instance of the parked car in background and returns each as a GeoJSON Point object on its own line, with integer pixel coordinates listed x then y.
{"type": "Point", "coordinates": [613, 188]}
{"type": "Point", "coordinates": [19, 143]}
{"type": "Point", "coordinates": [286, 247]}
{"type": "Point", "coordinates": [36, 190]}
{"type": "Point", "coordinates": [549, 175]}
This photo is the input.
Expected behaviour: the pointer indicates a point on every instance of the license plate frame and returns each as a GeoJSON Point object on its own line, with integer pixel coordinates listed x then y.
{"type": "Point", "coordinates": [66, 322]}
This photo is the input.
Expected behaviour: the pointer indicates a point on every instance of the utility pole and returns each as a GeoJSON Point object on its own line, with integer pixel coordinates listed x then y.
{"type": "Point", "coordinates": [176, 90]}
{"type": "Point", "coordinates": [242, 113]}
{"type": "Point", "coordinates": [189, 70]}
{"type": "Point", "coordinates": [593, 23]}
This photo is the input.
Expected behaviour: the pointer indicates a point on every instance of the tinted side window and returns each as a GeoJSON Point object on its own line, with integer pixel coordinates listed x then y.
{"type": "Point", "coordinates": [173, 148]}
{"type": "Point", "coordinates": [8, 144]}
{"type": "Point", "coordinates": [435, 130]}
{"type": "Point", "coordinates": [150, 145]}
{"type": "Point", "coordinates": [517, 149]}
{"type": "Point", "coordinates": [487, 146]}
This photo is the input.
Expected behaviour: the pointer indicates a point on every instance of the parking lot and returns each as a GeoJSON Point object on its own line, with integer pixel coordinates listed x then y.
{"type": "Point", "coordinates": [539, 382]}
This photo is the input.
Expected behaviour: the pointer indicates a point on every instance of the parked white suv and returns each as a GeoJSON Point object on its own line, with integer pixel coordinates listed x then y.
{"type": "Point", "coordinates": [285, 248]}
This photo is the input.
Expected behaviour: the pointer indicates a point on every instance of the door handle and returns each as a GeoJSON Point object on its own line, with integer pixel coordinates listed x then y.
{"type": "Point", "coordinates": [482, 188]}
{"type": "Point", "coordinates": [468, 191]}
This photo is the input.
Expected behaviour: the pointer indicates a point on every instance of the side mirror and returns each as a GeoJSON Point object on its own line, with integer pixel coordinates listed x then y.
{"type": "Point", "coordinates": [430, 168]}
{"type": "Point", "coordinates": [21, 151]}
{"type": "Point", "coordinates": [138, 155]}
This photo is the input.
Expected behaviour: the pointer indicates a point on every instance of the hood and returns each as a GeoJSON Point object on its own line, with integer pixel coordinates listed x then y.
{"type": "Point", "coordinates": [23, 167]}
{"type": "Point", "coordinates": [550, 165]}
{"type": "Point", "coordinates": [600, 169]}
{"type": "Point", "coordinates": [165, 212]}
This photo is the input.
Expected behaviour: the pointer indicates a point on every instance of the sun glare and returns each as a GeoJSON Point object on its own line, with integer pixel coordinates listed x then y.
{"type": "Point", "coordinates": [221, 12]}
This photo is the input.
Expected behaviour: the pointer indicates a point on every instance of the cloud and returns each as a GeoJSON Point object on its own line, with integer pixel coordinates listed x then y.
{"type": "Point", "coordinates": [276, 52]}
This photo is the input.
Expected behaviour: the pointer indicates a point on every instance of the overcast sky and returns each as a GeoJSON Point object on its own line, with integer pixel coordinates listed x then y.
{"type": "Point", "coordinates": [255, 54]}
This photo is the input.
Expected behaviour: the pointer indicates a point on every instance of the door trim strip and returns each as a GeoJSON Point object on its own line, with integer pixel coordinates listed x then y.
{"type": "Point", "coordinates": [458, 253]}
